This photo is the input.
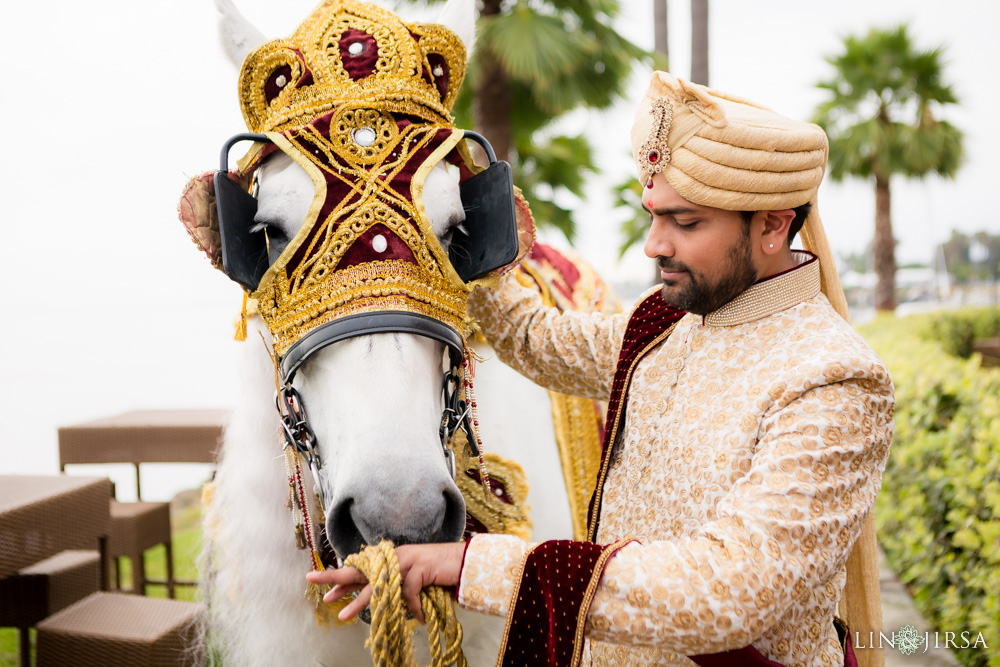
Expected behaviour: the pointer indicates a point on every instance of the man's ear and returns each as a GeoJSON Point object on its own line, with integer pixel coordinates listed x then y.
{"type": "Point", "coordinates": [774, 235]}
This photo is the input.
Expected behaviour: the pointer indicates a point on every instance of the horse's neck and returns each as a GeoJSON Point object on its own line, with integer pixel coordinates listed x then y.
{"type": "Point", "coordinates": [515, 416]}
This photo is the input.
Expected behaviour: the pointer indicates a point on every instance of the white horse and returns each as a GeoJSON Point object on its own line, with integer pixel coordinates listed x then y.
{"type": "Point", "coordinates": [375, 405]}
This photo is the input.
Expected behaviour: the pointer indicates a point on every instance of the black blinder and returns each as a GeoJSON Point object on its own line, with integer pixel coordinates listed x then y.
{"type": "Point", "coordinates": [244, 253]}
{"type": "Point", "coordinates": [490, 243]}
{"type": "Point", "coordinates": [490, 219]}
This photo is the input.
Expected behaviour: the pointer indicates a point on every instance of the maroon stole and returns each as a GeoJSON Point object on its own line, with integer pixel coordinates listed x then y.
{"type": "Point", "coordinates": [546, 618]}
{"type": "Point", "coordinates": [558, 580]}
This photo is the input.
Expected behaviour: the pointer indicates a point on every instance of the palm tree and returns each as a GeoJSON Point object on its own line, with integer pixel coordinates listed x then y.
{"type": "Point", "coordinates": [535, 61]}
{"type": "Point", "coordinates": [660, 41]}
{"type": "Point", "coordinates": [628, 193]}
{"type": "Point", "coordinates": [699, 42]}
{"type": "Point", "coordinates": [881, 120]}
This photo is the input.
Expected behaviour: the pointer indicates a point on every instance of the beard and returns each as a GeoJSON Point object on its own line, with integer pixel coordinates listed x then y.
{"type": "Point", "coordinates": [697, 294]}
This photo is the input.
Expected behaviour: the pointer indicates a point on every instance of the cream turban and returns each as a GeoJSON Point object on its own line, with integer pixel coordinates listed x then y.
{"type": "Point", "coordinates": [721, 151]}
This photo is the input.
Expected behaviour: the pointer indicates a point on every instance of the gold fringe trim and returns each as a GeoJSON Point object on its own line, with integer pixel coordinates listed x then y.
{"type": "Point", "coordinates": [327, 612]}
{"type": "Point", "coordinates": [578, 427]}
{"type": "Point", "coordinates": [241, 323]}
{"type": "Point", "coordinates": [496, 515]}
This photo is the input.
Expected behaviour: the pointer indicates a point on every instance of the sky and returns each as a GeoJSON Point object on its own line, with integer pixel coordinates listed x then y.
{"type": "Point", "coordinates": [110, 107]}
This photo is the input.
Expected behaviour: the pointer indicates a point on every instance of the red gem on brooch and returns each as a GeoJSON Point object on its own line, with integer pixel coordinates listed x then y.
{"type": "Point", "coordinates": [654, 155]}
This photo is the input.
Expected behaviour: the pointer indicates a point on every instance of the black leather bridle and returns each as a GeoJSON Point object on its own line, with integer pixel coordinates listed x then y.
{"type": "Point", "coordinates": [291, 409]}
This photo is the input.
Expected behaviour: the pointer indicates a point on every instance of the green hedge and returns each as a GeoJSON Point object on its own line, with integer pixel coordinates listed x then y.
{"type": "Point", "coordinates": [938, 515]}
{"type": "Point", "coordinates": [956, 331]}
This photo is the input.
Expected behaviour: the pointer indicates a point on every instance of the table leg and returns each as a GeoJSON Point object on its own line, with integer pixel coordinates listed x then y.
{"type": "Point", "coordinates": [102, 547]}
{"type": "Point", "coordinates": [170, 570]}
{"type": "Point", "coordinates": [25, 641]}
{"type": "Point", "coordinates": [139, 573]}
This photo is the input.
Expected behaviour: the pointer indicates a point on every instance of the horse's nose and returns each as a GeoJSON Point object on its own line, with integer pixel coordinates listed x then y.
{"type": "Point", "coordinates": [402, 515]}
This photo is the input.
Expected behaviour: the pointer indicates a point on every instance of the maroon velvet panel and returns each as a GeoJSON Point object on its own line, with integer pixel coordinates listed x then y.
{"type": "Point", "coordinates": [747, 656]}
{"type": "Point", "coordinates": [440, 82]}
{"type": "Point", "coordinates": [363, 64]}
{"type": "Point", "coordinates": [651, 318]}
{"type": "Point", "coordinates": [361, 251]}
{"type": "Point", "coordinates": [402, 182]}
{"type": "Point", "coordinates": [307, 75]}
{"type": "Point", "coordinates": [750, 656]}
{"type": "Point", "coordinates": [271, 87]}
{"type": "Point", "coordinates": [339, 190]}
{"type": "Point", "coordinates": [542, 624]}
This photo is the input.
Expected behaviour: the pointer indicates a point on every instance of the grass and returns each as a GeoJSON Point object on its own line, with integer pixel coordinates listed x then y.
{"type": "Point", "coordinates": [185, 520]}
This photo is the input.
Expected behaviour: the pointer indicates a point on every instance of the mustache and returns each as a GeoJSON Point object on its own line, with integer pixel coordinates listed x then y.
{"type": "Point", "coordinates": [665, 264]}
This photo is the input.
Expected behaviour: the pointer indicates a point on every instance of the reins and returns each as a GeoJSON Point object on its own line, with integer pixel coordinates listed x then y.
{"type": "Point", "coordinates": [391, 639]}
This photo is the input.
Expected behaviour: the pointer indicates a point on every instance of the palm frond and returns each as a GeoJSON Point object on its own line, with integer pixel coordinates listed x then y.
{"type": "Point", "coordinates": [880, 111]}
{"type": "Point", "coordinates": [635, 226]}
{"type": "Point", "coordinates": [532, 46]}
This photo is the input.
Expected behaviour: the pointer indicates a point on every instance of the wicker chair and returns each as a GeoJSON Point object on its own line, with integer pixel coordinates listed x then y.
{"type": "Point", "coordinates": [45, 588]}
{"type": "Point", "coordinates": [136, 527]}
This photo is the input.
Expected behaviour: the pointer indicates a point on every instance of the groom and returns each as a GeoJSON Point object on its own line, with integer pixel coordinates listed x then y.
{"type": "Point", "coordinates": [748, 424]}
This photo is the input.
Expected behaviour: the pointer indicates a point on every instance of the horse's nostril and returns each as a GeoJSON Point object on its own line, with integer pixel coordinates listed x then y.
{"type": "Point", "coordinates": [342, 531]}
{"type": "Point", "coordinates": [423, 515]}
{"type": "Point", "coordinates": [454, 516]}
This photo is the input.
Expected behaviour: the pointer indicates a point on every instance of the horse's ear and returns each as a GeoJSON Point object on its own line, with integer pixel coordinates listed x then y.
{"type": "Point", "coordinates": [459, 16]}
{"type": "Point", "coordinates": [239, 37]}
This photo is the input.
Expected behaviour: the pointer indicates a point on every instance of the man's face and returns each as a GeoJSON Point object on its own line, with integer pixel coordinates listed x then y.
{"type": "Point", "coordinates": [704, 254]}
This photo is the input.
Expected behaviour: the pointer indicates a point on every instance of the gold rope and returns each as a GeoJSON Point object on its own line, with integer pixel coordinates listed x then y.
{"type": "Point", "coordinates": [391, 640]}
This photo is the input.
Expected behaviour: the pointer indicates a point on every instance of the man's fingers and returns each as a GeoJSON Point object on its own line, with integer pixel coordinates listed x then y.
{"type": "Point", "coordinates": [339, 576]}
{"type": "Point", "coordinates": [340, 590]}
{"type": "Point", "coordinates": [420, 565]}
{"type": "Point", "coordinates": [345, 580]}
{"type": "Point", "coordinates": [412, 586]}
{"type": "Point", "coordinates": [356, 605]}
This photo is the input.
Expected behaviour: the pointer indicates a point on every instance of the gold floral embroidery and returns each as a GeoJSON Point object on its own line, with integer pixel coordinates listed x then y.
{"type": "Point", "coordinates": [745, 532]}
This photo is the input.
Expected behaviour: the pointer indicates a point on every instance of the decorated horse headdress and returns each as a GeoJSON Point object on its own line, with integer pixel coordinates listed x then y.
{"type": "Point", "coordinates": [361, 101]}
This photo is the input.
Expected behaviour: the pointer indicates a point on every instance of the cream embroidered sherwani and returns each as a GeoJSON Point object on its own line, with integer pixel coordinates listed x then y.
{"type": "Point", "coordinates": [752, 450]}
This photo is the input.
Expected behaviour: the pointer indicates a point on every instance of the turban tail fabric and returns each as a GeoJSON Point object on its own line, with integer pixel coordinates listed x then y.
{"type": "Point", "coordinates": [721, 151]}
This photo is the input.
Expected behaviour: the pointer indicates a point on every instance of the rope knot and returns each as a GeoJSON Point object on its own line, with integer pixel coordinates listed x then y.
{"type": "Point", "coordinates": [391, 639]}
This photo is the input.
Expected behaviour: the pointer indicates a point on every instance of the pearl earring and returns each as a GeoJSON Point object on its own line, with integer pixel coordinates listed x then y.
{"type": "Point", "coordinates": [771, 245]}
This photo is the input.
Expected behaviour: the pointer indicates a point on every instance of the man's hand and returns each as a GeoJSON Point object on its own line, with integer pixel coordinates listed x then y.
{"type": "Point", "coordinates": [420, 565]}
